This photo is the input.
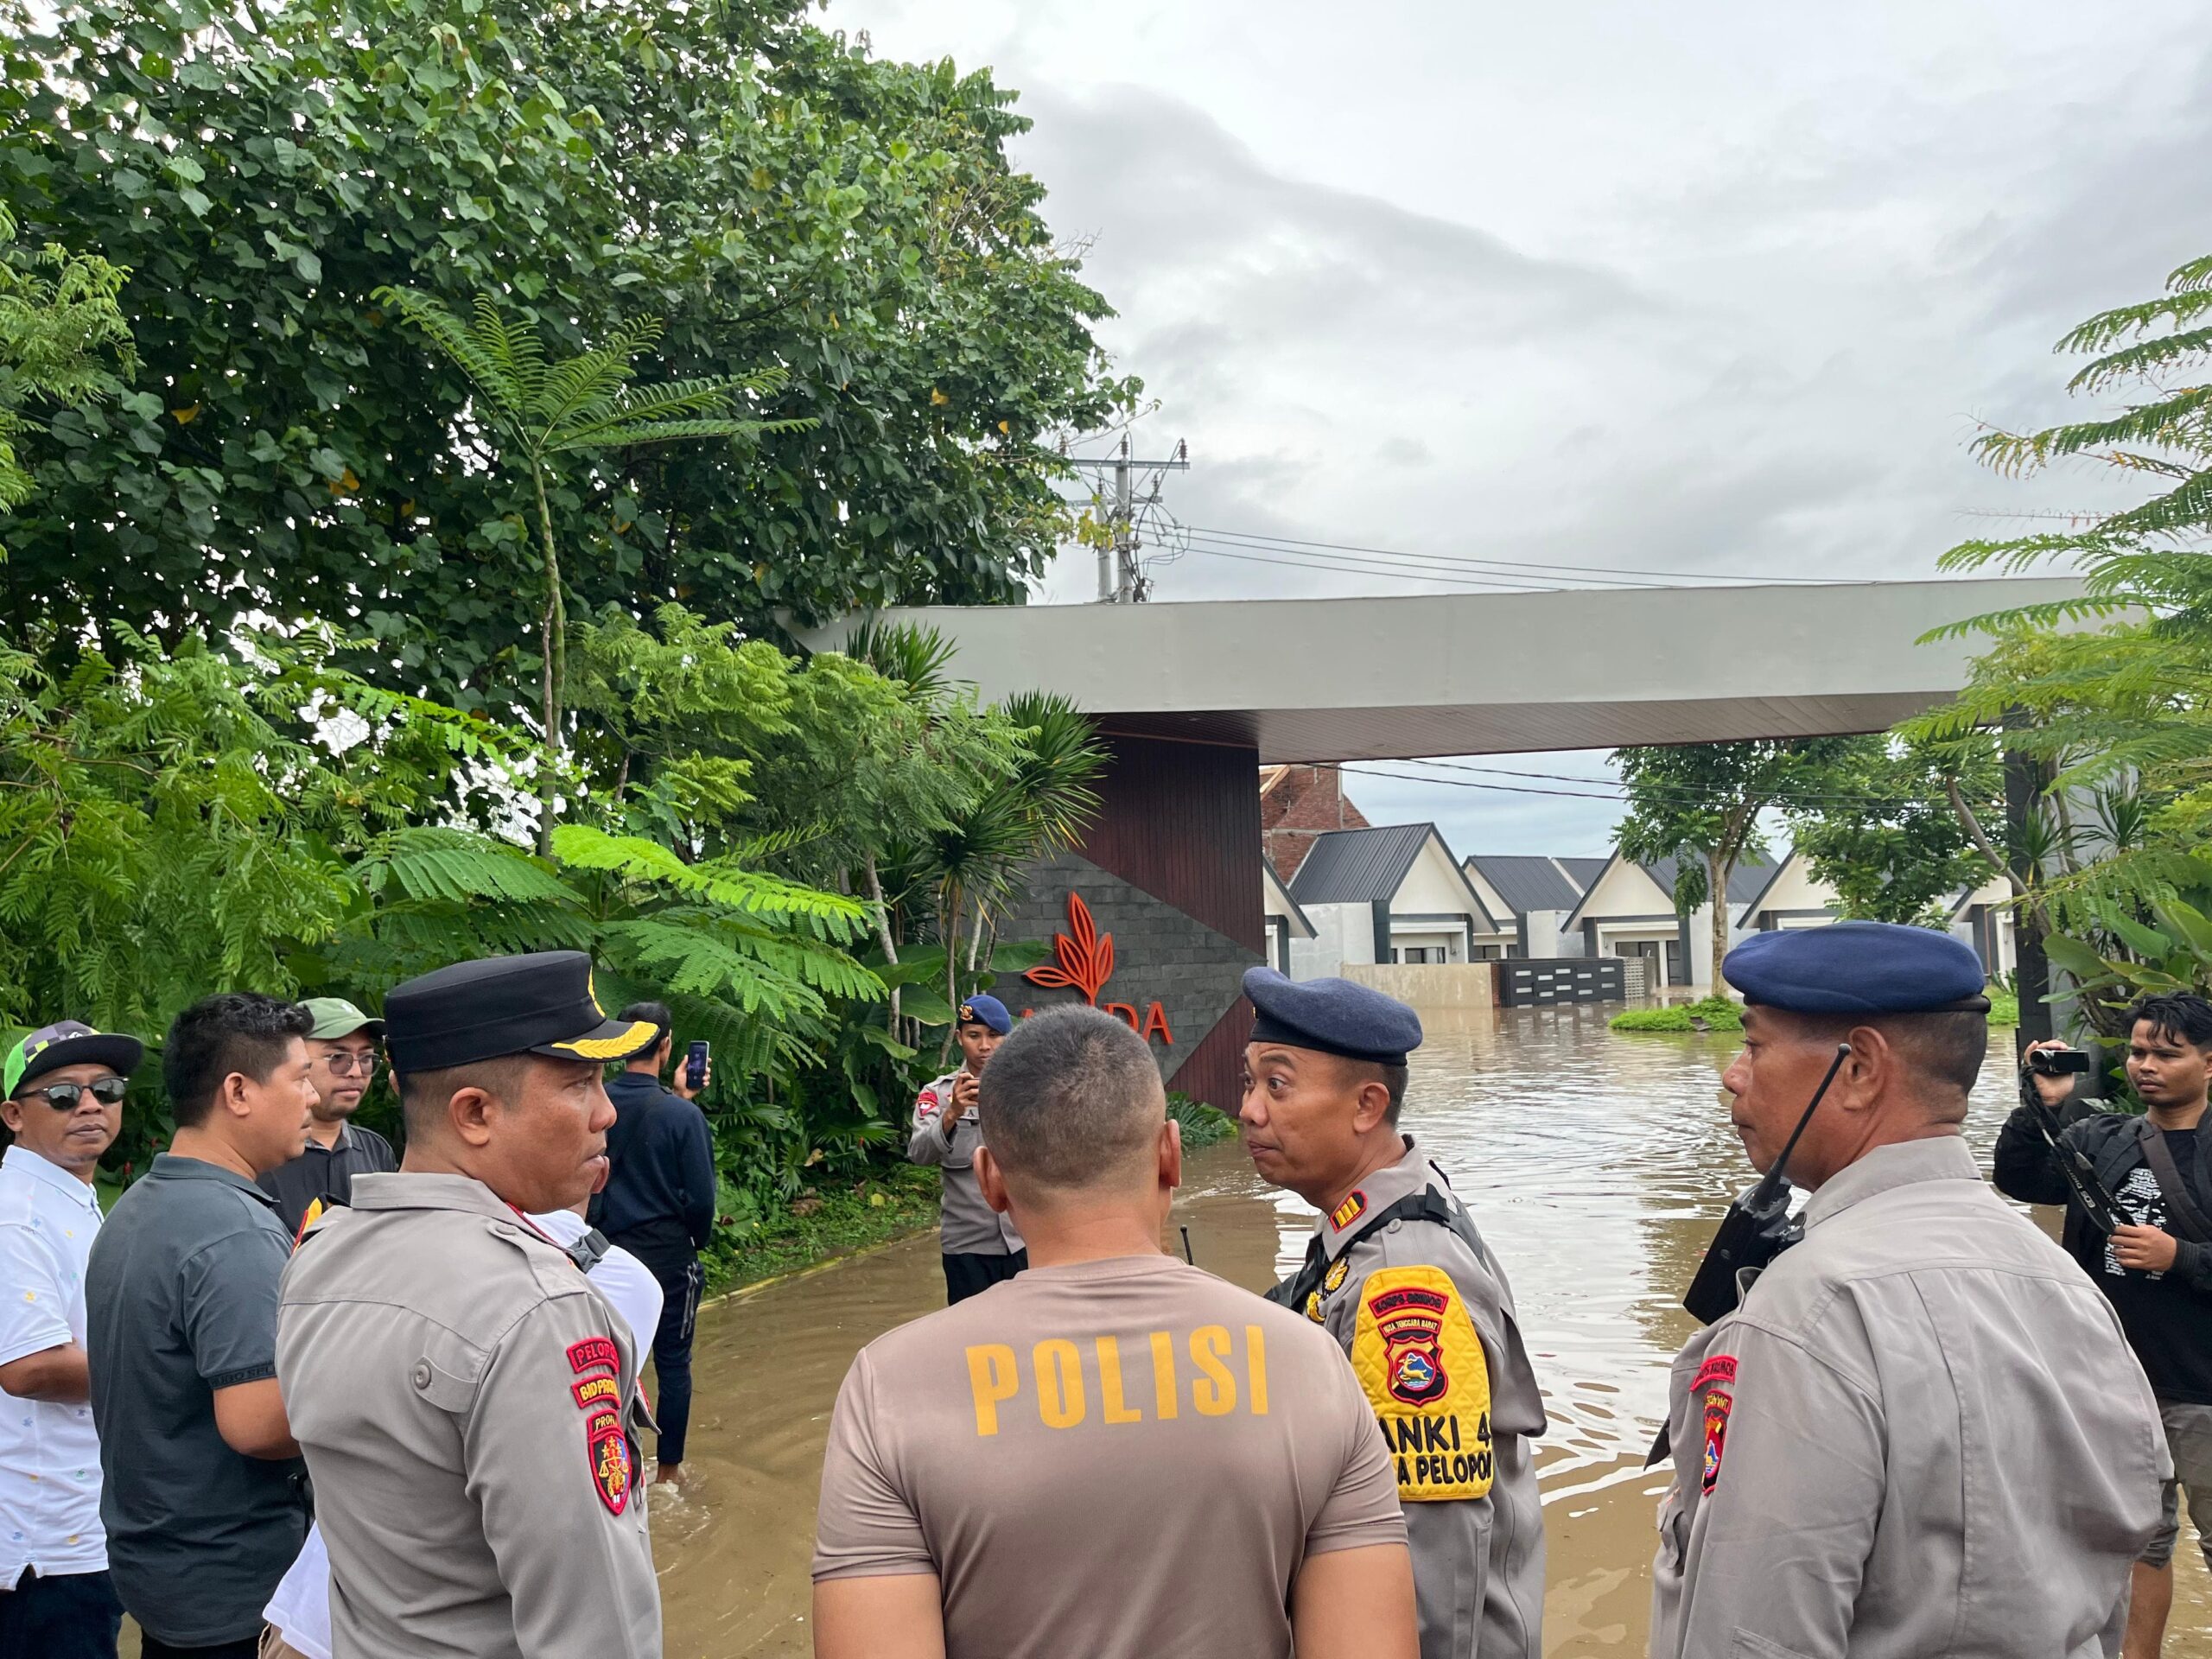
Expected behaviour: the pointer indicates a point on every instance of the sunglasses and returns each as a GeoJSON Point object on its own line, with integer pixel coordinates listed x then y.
{"type": "Point", "coordinates": [64, 1096]}
{"type": "Point", "coordinates": [344, 1064]}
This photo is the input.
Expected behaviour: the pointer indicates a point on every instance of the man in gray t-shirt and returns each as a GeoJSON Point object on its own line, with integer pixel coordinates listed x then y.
{"type": "Point", "coordinates": [201, 1490]}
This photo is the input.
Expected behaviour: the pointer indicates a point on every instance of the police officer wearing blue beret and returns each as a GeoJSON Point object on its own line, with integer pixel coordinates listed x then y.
{"type": "Point", "coordinates": [1399, 1277]}
{"type": "Point", "coordinates": [1921, 1430]}
{"type": "Point", "coordinates": [980, 1246]}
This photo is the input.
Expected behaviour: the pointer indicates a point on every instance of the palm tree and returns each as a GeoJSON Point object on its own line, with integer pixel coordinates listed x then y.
{"type": "Point", "coordinates": [535, 411]}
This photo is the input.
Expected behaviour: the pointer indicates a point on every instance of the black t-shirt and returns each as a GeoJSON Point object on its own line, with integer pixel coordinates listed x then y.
{"type": "Point", "coordinates": [2168, 1325]}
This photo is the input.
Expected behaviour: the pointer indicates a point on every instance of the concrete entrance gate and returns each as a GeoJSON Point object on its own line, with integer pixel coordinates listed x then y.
{"type": "Point", "coordinates": [1192, 699]}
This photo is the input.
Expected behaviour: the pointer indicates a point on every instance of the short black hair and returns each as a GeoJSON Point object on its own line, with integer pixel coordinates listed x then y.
{"type": "Point", "coordinates": [1946, 1046]}
{"type": "Point", "coordinates": [2182, 1015]}
{"type": "Point", "coordinates": [1070, 1098]}
{"type": "Point", "coordinates": [424, 1095]}
{"type": "Point", "coordinates": [658, 1013]}
{"type": "Point", "coordinates": [229, 1032]}
{"type": "Point", "coordinates": [1393, 1078]}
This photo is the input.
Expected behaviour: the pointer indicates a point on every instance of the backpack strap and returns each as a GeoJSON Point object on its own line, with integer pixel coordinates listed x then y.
{"type": "Point", "coordinates": [2180, 1206]}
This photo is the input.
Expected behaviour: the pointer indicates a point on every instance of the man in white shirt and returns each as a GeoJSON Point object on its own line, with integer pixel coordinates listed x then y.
{"type": "Point", "coordinates": [63, 1086]}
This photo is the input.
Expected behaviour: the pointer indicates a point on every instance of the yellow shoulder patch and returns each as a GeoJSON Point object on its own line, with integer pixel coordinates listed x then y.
{"type": "Point", "coordinates": [1421, 1364]}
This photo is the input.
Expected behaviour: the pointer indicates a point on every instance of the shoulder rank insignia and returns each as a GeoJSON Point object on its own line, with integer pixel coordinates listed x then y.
{"type": "Point", "coordinates": [1422, 1369]}
{"type": "Point", "coordinates": [1716, 1389]}
{"type": "Point", "coordinates": [606, 1449]}
{"type": "Point", "coordinates": [1337, 1269]}
{"type": "Point", "coordinates": [1349, 1211]}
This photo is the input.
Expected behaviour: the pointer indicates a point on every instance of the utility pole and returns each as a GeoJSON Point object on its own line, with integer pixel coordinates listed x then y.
{"type": "Point", "coordinates": [1120, 572]}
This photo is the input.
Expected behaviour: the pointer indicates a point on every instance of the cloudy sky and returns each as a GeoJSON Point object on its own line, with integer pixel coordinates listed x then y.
{"type": "Point", "coordinates": [1725, 289]}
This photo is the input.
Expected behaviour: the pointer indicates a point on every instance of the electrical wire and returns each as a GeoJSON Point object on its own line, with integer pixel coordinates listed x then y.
{"type": "Point", "coordinates": [1487, 583]}
{"type": "Point", "coordinates": [1282, 543]}
{"type": "Point", "coordinates": [1811, 797]}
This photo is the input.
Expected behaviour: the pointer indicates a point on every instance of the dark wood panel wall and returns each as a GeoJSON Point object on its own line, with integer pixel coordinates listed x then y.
{"type": "Point", "coordinates": [1181, 820]}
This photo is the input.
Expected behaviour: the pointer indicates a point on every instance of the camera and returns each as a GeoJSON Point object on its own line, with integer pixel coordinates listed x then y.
{"type": "Point", "coordinates": [2058, 1062]}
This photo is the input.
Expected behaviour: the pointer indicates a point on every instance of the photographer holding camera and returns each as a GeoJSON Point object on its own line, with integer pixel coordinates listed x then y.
{"type": "Point", "coordinates": [2138, 1219]}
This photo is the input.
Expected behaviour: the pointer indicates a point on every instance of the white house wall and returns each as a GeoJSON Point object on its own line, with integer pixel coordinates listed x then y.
{"type": "Point", "coordinates": [1341, 933]}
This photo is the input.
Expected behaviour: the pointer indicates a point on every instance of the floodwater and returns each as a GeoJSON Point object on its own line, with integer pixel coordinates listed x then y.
{"type": "Point", "coordinates": [1595, 1164]}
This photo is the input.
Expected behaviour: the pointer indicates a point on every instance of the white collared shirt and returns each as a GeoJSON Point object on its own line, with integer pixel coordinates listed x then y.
{"type": "Point", "coordinates": [49, 1454]}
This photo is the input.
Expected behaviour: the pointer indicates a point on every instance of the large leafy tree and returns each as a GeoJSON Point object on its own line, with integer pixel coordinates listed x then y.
{"type": "Point", "coordinates": [1701, 804]}
{"type": "Point", "coordinates": [773, 193]}
{"type": "Point", "coordinates": [1901, 827]}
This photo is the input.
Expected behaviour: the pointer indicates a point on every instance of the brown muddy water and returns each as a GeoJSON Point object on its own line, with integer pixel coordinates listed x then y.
{"type": "Point", "coordinates": [1596, 1164]}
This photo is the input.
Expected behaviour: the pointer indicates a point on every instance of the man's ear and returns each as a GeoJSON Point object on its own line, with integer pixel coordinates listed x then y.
{"type": "Point", "coordinates": [1867, 1074]}
{"type": "Point", "coordinates": [1372, 1106]}
{"type": "Point", "coordinates": [469, 1111]}
{"type": "Point", "coordinates": [11, 1116]}
{"type": "Point", "coordinates": [1171, 1154]}
{"type": "Point", "coordinates": [992, 1179]}
{"type": "Point", "coordinates": [230, 1094]}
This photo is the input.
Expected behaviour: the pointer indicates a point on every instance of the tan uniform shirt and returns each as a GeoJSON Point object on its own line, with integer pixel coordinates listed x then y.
{"type": "Point", "coordinates": [1120, 1459]}
{"type": "Point", "coordinates": [968, 1226]}
{"type": "Point", "coordinates": [1459, 1413]}
{"type": "Point", "coordinates": [1921, 1433]}
{"type": "Point", "coordinates": [468, 1403]}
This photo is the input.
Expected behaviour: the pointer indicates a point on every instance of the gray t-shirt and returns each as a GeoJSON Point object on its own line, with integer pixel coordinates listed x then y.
{"type": "Point", "coordinates": [181, 1299]}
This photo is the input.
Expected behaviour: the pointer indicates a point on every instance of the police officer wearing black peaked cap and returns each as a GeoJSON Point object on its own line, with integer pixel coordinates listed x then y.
{"type": "Point", "coordinates": [1920, 1431]}
{"type": "Point", "coordinates": [1398, 1275]}
{"type": "Point", "coordinates": [466, 1399]}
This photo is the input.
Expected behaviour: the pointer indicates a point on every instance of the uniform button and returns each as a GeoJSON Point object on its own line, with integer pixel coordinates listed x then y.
{"type": "Point", "coordinates": [422, 1373]}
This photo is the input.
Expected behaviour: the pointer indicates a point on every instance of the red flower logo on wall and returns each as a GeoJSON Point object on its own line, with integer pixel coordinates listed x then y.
{"type": "Point", "coordinates": [1084, 955]}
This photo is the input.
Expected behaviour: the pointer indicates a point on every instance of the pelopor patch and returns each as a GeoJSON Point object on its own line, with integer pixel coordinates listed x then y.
{"type": "Point", "coordinates": [1422, 1369]}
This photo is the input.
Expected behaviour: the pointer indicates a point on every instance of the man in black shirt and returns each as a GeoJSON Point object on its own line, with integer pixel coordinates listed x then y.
{"type": "Point", "coordinates": [2156, 1268]}
{"type": "Point", "coordinates": [659, 1204]}
{"type": "Point", "coordinates": [343, 1046]}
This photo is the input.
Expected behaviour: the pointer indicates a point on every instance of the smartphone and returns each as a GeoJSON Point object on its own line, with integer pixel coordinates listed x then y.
{"type": "Point", "coordinates": [695, 1067]}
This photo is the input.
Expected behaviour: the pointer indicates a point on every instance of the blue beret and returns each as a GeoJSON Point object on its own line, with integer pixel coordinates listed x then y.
{"type": "Point", "coordinates": [1858, 968]}
{"type": "Point", "coordinates": [986, 1011]}
{"type": "Point", "coordinates": [1332, 1015]}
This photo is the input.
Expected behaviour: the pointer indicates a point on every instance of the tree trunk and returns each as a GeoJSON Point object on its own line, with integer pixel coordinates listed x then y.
{"type": "Point", "coordinates": [883, 932]}
{"type": "Point", "coordinates": [554, 642]}
{"type": "Point", "coordinates": [1717, 868]}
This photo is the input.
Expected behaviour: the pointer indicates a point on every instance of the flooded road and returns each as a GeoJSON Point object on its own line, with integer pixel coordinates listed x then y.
{"type": "Point", "coordinates": [1595, 1164]}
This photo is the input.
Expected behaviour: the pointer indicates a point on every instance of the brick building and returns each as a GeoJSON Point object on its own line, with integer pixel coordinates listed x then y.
{"type": "Point", "coordinates": [1298, 804]}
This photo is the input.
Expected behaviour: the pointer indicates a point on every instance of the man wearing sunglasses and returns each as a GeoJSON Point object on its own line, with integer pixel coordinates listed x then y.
{"type": "Point", "coordinates": [343, 1050]}
{"type": "Point", "coordinates": [63, 1087]}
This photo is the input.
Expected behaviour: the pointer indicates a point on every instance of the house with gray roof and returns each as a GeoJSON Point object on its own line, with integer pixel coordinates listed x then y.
{"type": "Point", "coordinates": [1531, 895]}
{"type": "Point", "coordinates": [1628, 911]}
{"type": "Point", "coordinates": [1393, 892]}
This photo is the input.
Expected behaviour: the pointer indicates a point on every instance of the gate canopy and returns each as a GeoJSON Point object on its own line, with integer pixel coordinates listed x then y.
{"type": "Point", "coordinates": [1374, 679]}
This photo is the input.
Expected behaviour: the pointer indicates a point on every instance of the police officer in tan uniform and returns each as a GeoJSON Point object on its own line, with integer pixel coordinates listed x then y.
{"type": "Point", "coordinates": [466, 1398]}
{"type": "Point", "coordinates": [1399, 1277]}
{"type": "Point", "coordinates": [1921, 1431]}
{"type": "Point", "coordinates": [1114, 1455]}
{"type": "Point", "coordinates": [981, 1247]}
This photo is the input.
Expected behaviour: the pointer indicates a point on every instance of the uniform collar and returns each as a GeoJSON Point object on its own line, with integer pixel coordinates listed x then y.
{"type": "Point", "coordinates": [26, 1162]}
{"type": "Point", "coordinates": [399, 1190]}
{"type": "Point", "coordinates": [1902, 1163]}
{"type": "Point", "coordinates": [1378, 1192]}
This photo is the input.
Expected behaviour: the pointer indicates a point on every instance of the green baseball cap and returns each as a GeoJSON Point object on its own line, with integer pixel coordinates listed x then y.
{"type": "Point", "coordinates": [334, 1016]}
{"type": "Point", "coordinates": [67, 1042]}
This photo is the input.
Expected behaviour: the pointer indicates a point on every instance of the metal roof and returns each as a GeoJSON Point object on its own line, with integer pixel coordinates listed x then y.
{"type": "Point", "coordinates": [1528, 883]}
{"type": "Point", "coordinates": [1746, 882]}
{"type": "Point", "coordinates": [1583, 870]}
{"type": "Point", "coordinates": [1359, 866]}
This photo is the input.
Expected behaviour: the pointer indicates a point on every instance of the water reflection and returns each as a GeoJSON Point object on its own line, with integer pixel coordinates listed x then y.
{"type": "Point", "coordinates": [1595, 1164]}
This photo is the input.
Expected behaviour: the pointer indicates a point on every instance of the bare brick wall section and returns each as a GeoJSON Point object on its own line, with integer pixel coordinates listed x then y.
{"type": "Point", "coordinates": [1305, 801]}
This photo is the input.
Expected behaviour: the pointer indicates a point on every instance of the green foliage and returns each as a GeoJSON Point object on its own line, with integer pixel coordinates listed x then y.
{"type": "Point", "coordinates": [772, 193]}
{"type": "Point", "coordinates": [62, 341]}
{"type": "Point", "coordinates": [2112, 691]}
{"type": "Point", "coordinates": [1889, 840]}
{"type": "Point", "coordinates": [1718, 1013]}
{"type": "Point", "coordinates": [1202, 1125]}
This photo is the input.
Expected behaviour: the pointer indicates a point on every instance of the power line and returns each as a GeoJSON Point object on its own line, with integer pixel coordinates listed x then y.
{"type": "Point", "coordinates": [1343, 570]}
{"type": "Point", "coordinates": [1418, 565]}
{"type": "Point", "coordinates": [1525, 565]}
{"type": "Point", "coordinates": [1690, 791]}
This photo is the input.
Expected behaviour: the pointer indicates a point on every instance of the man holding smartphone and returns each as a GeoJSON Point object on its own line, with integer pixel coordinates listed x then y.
{"type": "Point", "coordinates": [2155, 1268]}
{"type": "Point", "coordinates": [659, 1204]}
{"type": "Point", "coordinates": [981, 1246]}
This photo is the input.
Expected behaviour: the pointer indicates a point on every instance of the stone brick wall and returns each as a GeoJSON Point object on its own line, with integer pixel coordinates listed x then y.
{"type": "Point", "coordinates": [1160, 955]}
{"type": "Point", "coordinates": [1306, 802]}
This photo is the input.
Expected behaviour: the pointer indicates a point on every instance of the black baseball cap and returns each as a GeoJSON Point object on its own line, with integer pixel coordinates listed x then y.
{"type": "Point", "coordinates": [541, 1003]}
{"type": "Point", "coordinates": [67, 1042]}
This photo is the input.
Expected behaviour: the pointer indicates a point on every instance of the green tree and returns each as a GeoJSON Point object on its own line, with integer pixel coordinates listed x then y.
{"type": "Point", "coordinates": [2111, 692]}
{"type": "Point", "coordinates": [537, 414]}
{"type": "Point", "coordinates": [1701, 804]}
{"type": "Point", "coordinates": [1902, 828]}
{"type": "Point", "coordinates": [770, 191]}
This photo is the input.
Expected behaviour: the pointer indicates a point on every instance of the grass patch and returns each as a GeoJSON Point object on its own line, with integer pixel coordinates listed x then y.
{"type": "Point", "coordinates": [2004, 1009]}
{"type": "Point", "coordinates": [1202, 1125]}
{"type": "Point", "coordinates": [823, 1222]}
{"type": "Point", "coordinates": [1711, 1013]}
